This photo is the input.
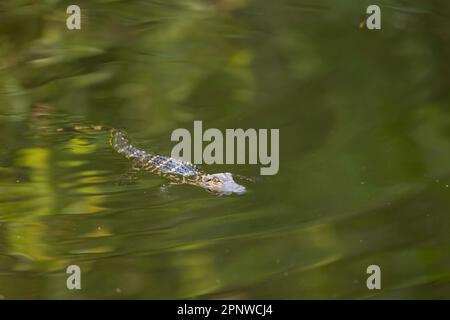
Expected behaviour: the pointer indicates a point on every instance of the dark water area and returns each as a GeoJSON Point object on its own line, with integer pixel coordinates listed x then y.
{"type": "Point", "coordinates": [364, 120]}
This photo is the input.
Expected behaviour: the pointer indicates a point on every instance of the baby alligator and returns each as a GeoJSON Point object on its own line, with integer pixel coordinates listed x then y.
{"type": "Point", "coordinates": [177, 171]}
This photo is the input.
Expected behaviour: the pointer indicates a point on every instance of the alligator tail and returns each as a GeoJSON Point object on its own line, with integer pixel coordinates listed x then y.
{"type": "Point", "coordinates": [122, 145]}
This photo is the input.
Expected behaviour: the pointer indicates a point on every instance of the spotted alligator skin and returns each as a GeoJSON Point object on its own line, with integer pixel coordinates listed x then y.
{"type": "Point", "coordinates": [175, 170]}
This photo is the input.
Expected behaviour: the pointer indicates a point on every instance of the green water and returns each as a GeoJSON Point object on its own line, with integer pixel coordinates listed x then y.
{"type": "Point", "coordinates": [364, 119]}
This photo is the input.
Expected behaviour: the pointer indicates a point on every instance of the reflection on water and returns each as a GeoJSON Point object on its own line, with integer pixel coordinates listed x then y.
{"type": "Point", "coordinates": [364, 151]}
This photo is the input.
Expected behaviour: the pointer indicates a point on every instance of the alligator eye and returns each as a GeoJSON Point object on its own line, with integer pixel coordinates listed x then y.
{"type": "Point", "coordinates": [216, 180]}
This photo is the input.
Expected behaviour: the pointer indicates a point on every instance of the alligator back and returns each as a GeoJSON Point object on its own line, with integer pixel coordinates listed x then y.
{"type": "Point", "coordinates": [161, 165]}
{"type": "Point", "coordinates": [169, 166]}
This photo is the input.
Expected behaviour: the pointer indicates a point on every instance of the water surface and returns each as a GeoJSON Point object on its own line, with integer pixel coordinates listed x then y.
{"type": "Point", "coordinates": [364, 119]}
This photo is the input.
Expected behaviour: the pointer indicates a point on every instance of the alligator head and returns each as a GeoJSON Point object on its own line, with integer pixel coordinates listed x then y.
{"type": "Point", "coordinates": [221, 183]}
